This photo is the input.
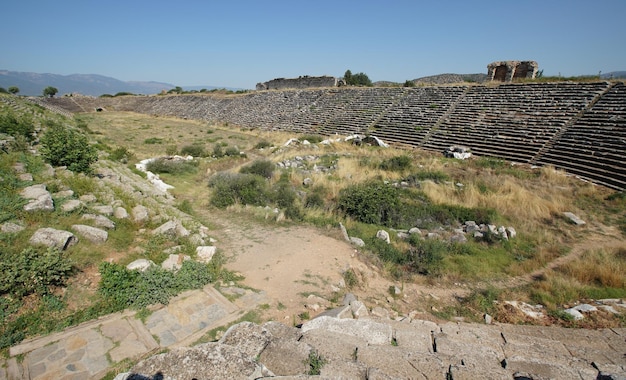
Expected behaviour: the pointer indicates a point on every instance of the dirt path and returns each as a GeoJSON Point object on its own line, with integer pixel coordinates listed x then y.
{"type": "Point", "coordinates": [290, 263]}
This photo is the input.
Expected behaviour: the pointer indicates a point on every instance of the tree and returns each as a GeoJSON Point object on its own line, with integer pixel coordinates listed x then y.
{"type": "Point", "coordinates": [50, 91]}
{"type": "Point", "coordinates": [359, 79]}
{"type": "Point", "coordinates": [14, 90]}
{"type": "Point", "coordinates": [347, 76]}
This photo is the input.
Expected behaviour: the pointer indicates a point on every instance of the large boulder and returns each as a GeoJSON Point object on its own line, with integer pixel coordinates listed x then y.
{"type": "Point", "coordinates": [39, 198]}
{"type": "Point", "coordinates": [370, 331]}
{"type": "Point", "coordinates": [171, 229]}
{"type": "Point", "coordinates": [139, 214]}
{"type": "Point", "coordinates": [384, 236]}
{"type": "Point", "coordinates": [53, 238]}
{"type": "Point", "coordinates": [140, 265]}
{"type": "Point", "coordinates": [99, 221]}
{"type": "Point", "coordinates": [205, 253]}
{"type": "Point", "coordinates": [93, 234]}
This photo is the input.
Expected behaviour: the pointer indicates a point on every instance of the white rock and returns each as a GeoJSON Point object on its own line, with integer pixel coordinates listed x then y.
{"type": "Point", "coordinates": [577, 315]}
{"type": "Point", "coordinates": [585, 308]}
{"type": "Point", "coordinates": [383, 235]}
{"type": "Point", "coordinates": [205, 253]}
{"type": "Point", "coordinates": [574, 219]}
{"type": "Point", "coordinates": [140, 265]}
{"type": "Point", "coordinates": [120, 213]}
{"type": "Point", "coordinates": [357, 241]}
{"type": "Point", "coordinates": [174, 262]}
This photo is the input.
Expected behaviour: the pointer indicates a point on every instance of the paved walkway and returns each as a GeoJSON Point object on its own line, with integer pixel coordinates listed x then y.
{"type": "Point", "coordinates": [89, 350]}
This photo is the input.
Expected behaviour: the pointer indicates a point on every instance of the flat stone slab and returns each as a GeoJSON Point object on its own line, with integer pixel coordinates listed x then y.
{"type": "Point", "coordinates": [53, 238]}
{"type": "Point", "coordinates": [187, 313]}
{"type": "Point", "coordinates": [93, 234]}
{"type": "Point", "coordinates": [88, 350]}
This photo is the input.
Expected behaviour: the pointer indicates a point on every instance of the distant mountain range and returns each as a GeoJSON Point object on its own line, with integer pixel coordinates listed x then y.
{"type": "Point", "coordinates": [614, 75]}
{"type": "Point", "coordinates": [32, 84]}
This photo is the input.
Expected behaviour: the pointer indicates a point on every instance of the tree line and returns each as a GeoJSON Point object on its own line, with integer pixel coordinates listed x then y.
{"type": "Point", "coordinates": [48, 92]}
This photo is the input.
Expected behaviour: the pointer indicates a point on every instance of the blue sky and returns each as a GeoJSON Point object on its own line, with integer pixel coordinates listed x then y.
{"type": "Point", "coordinates": [238, 43]}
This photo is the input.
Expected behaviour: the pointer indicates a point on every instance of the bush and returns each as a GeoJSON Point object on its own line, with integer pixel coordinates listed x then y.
{"type": "Point", "coordinates": [122, 154]}
{"type": "Point", "coordinates": [263, 144]}
{"type": "Point", "coordinates": [171, 166]}
{"type": "Point", "coordinates": [397, 163]}
{"type": "Point", "coordinates": [263, 168]}
{"type": "Point", "coordinates": [313, 139]}
{"type": "Point", "coordinates": [153, 140]}
{"type": "Point", "coordinates": [195, 150]}
{"type": "Point", "coordinates": [16, 126]}
{"type": "Point", "coordinates": [218, 152]}
{"type": "Point", "coordinates": [315, 199]}
{"type": "Point", "coordinates": [232, 151]}
{"type": "Point", "coordinates": [129, 288]}
{"type": "Point", "coordinates": [33, 271]}
{"type": "Point", "coordinates": [247, 189]}
{"type": "Point", "coordinates": [371, 203]}
{"type": "Point", "coordinates": [62, 146]}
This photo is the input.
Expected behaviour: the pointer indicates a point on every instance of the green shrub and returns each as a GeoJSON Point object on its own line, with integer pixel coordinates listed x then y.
{"type": "Point", "coordinates": [33, 271]}
{"type": "Point", "coordinates": [122, 154]}
{"type": "Point", "coordinates": [14, 125]}
{"type": "Point", "coordinates": [153, 140]}
{"type": "Point", "coordinates": [232, 151]}
{"type": "Point", "coordinates": [193, 275]}
{"type": "Point", "coordinates": [129, 288]}
{"type": "Point", "coordinates": [314, 199]}
{"type": "Point", "coordinates": [171, 166]}
{"type": "Point", "coordinates": [262, 144]}
{"type": "Point", "coordinates": [62, 146]}
{"type": "Point", "coordinates": [313, 139]}
{"type": "Point", "coordinates": [247, 189]}
{"type": "Point", "coordinates": [314, 362]}
{"type": "Point", "coordinates": [263, 168]}
{"type": "Point", "coordinates": [195, 150]}
{"type": "Point", "coordinates": [218, 152]}
{"type": "Point", "coordinates": [372, 203]}
{"type": "Point", "coordinates": [398, 163]}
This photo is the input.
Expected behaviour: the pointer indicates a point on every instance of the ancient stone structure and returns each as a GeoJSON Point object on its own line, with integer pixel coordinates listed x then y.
{"type": "Point", "coordinates": [506, 71]}
{"type": "Point", "coordinates": [298, 83]}
{"type": "Point", "coordinates": [578, 127]}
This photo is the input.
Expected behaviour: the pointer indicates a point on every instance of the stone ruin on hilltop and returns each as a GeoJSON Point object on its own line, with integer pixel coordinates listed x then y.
{"type": "Point", "coordinates": [300, 82]}
{"type": "Point", "coordinates": [506, 71]}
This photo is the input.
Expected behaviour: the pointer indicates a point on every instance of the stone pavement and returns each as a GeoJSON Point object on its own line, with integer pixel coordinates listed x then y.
{"type": "Point", "coordinates": [89, 350]}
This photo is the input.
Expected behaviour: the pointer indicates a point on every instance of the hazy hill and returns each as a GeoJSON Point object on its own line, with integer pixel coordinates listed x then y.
{"type": "Point", "coordinates": [86, 84]}
{"type": "Point", "coordinates": [614, 75]}
{"type": "Point", "coordinates": [32, 84]}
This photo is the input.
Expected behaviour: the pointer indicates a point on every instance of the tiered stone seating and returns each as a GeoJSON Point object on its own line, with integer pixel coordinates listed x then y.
{"type": "Point", "coordinates": [545, 123]}
{"type": "Point", "coordinates": [415, 113]}
{"type": "Point", "coordinates": [354, 110]}
{"type": "Point", "coordinates": [513, 121]}
{"type": "Point", "coordinates": [594, 146]}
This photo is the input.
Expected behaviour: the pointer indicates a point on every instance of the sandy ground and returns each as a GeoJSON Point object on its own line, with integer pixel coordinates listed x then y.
{"type": "Point", "coordinates": [300, 268]}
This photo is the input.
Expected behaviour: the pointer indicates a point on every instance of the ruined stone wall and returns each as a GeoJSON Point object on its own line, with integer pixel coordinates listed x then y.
{"type": "Point", "coordinates": [507, 71]}
{"type": "Point", "coordinates": [298, 83]}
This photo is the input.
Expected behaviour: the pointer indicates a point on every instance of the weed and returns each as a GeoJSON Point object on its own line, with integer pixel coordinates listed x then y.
{"type": "Point", "coordinates": [172, 166]}
{"type": "Point", "coordinates": [153, 140]}
{"type": "Point", "coordinates": [350, 278]}
{"type": "Point", "coordinates": [398, 163]}
{"type": "Point", "coordinates": [263, 168]}
{"type": "Point", "coordinates": [315, 362]}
